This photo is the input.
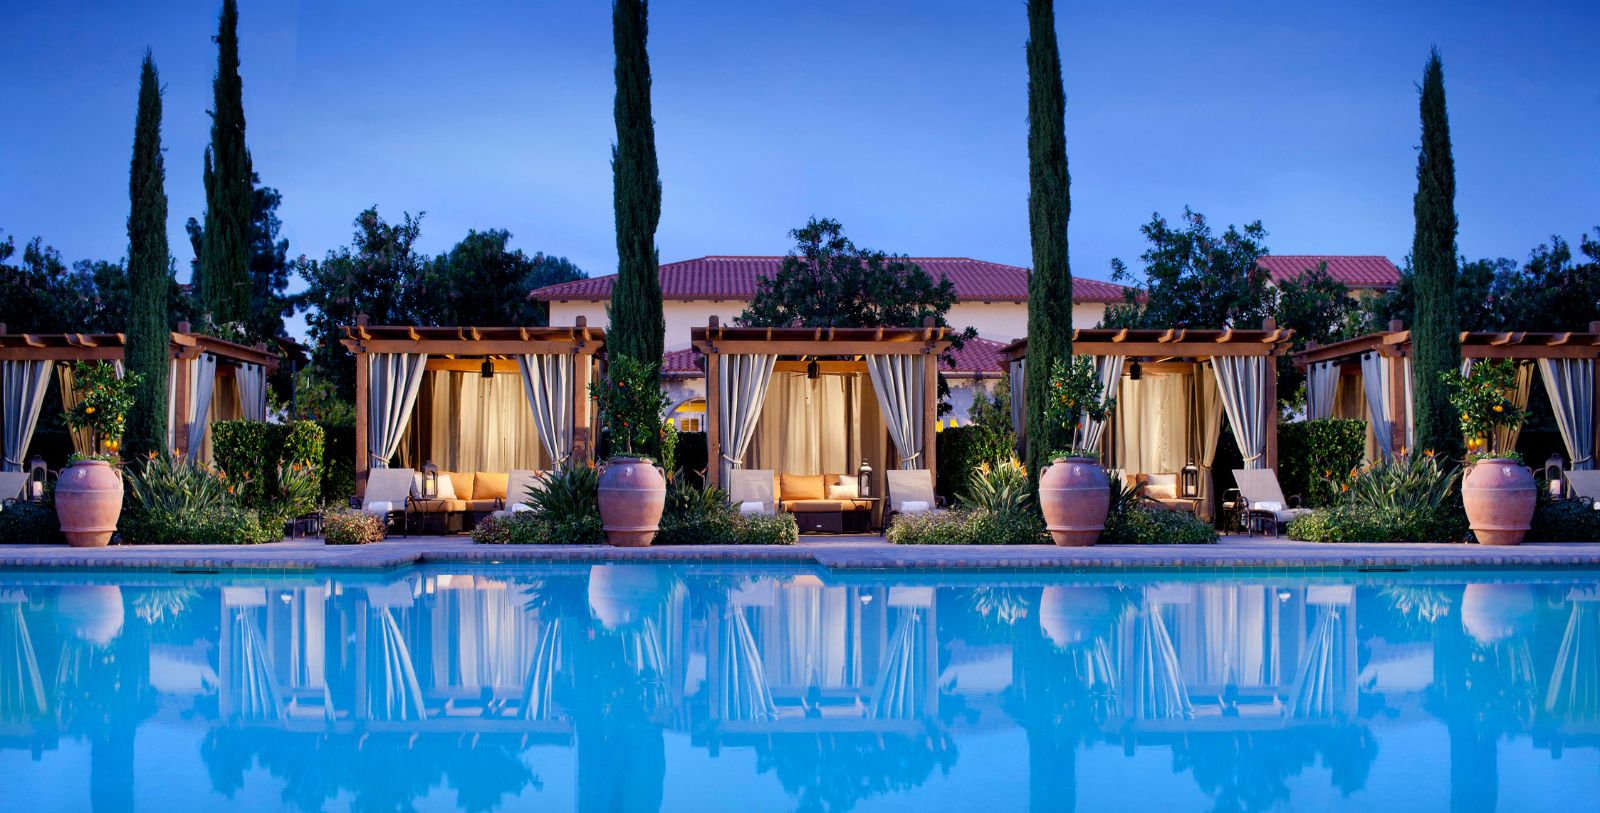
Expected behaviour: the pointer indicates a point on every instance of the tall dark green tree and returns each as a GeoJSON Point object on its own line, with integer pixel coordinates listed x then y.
{"type": "Point", "coordinates": [1435, 338]}
{"type": "Point", "coordinates": [222, 278]}
{"type": "Point", "coordinates": [149, 273]}
{"type": "Point", "coordinates": [638, 327]}
{"type": "Point", "coordinates": [1049, 205]}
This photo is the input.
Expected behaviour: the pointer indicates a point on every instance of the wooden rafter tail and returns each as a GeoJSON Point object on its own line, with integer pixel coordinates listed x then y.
{"type": "Point", "coordinates": [413, 334]}
{"type": "Point", "coordinates": [1122, 336]}
{"type": "Point", "coordinates": [1168, 336]}
{"type": "Point", "coordinates": [475, 333]}
{"type": "Point", "coordinates": [1559, 339]}
{"type": "Point", "coordinates": [363, 333]}
{"type": "Point", "coordinates": [1225, 336]}
{"type": "Point", "coordinates": [31, 340]}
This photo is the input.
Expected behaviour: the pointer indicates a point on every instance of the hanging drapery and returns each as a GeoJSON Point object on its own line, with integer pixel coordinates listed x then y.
{"type": "Point", "coordinates": [1322, 686]}
{"type": "Point", "coordinates": [202, 384]}
{"type": "Point", "coordinates": [255, 689]}
{"type": "Point", "coordinates": [1019, 402]}
{"type": "Point", "coordinates": [745, 693]}
{"type": "Point", "coordinates": [172, 406]}
{"type": "Point", "coordinates": [1573, 695]}
{"type": "Point", "coordinates": [393, 693]}
{"type": "Point", "coordinates": [22, 695]}
{"type": "Point", "coordinates": [548, 379]}
{"type": "Point", "coordinates": [1375, 372]}
{"type": "Point", "coordinates": [1241, 387]}
{"type": "Point", "coordinates": [82, 438]}
{"type": "Point", "coordinates": [252, 380]}
{"type": "Point", "coordinates": [538, 696]}
{"type": "Point", "coordinates": [1208, 432]}
{"type": "Point", "coordinates": [478, 424]}
{"type": "Point", "coordinates": [903, 683]}
{"type": "Point", "coordinates": [22, 385]}
{"type": "Point", "coordinates": [1160, 693]}
{"type": "Point", "coordinates": [1322, 386]}
{"type": "Point", "coordinates": [897, 380]}
{"type": "Point", "coordinates": [1108, 369]}
{"type": "Point", "coordinates": [808, 638]}
{"type": "Point", "coordinates": [742, 381]}
{"type": "Point", "coordinates": [393, 380]}
{"type": "Point", "coordinates": [1153, 425]}
{"type": "Point", "coordinates": [809, 425]}
{"type": "Point", "coordinates": [1570, 383]}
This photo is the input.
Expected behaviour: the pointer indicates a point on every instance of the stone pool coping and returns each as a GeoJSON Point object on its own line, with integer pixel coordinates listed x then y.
{"type": "Point", "coordinates": [833, 553]}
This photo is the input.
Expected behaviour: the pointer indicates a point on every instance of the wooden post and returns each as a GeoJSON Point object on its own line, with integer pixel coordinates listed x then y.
{"type": "Point", "coordinates": [714, 418]}
{"type": "Point", "coordinates": [581, 370]}
{"type": "Point", "coordinates": [930, 407]}
{"type": "Point", "coordinates": [1397, 397]}
{"type": "Point", "coordinates": [180, 406]}
{"type": "Point", "coordinates": [1270, 403]}
{"type": "Point", "coordinates": [1594, 406]}
{"type": "Point", "coordinates": [363, 451]}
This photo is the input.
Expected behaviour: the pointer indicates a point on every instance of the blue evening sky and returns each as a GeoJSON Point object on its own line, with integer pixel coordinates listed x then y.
{"type": "Point", "coordinates": [905, 119]}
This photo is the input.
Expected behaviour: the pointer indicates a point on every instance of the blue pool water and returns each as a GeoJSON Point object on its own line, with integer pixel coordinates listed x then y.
{"type": "Point", "coordinates": [706, 688]}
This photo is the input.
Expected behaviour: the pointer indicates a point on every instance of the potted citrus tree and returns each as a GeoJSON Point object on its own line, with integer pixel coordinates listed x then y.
{"type": "Point", "coordinates": [1498, 491]}
{"type": "Point", "coordinates": [89, 493]}
{"type": "Point", "coordinates": [1074, 493]}
{"type": "Point", "coordinates": [633, 489]}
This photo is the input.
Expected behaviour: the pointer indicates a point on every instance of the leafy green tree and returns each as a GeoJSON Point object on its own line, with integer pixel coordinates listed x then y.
{"type": "Point", "coordinates": [638, 327]}
{"type": "Point", "coordinates": [1551, 291]}
{"type": "Point", "coordinates": [1049, 207]}
{"type": "Point", "coordinates": [483, 282]}
{"type": "Point", "coordinates": [1194, 278]}
{"type": "Point", "coordinates": [39, 294]}
{"type": "Point", "coordinates": [1476, 305]}
{"type": "Point", "coordinates": [222, 278]}
{"type": "Point", "coordinates": [149, 274]}
{"type": "Point", "coordinates": [1435, 340]}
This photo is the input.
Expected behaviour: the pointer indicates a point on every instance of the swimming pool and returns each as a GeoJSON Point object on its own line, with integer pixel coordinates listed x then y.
{"type": "Point", "coordinates": [704, 687]}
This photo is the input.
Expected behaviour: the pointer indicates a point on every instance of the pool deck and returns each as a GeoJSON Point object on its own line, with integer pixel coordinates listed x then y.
{"type": "Point", "coordinates": [834, 553]}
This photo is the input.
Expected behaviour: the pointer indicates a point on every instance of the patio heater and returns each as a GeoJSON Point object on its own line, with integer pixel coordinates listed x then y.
{"type": "Point", "coordinates": [38, 474]}
{"type": "Point", "coordinates": [430, 481]}
{"type": "Point", "coordinates": [1555, 473]}
{"type": "Point", "coordinates": [864, 480]}
{"type": "Point", "coordinates": [1189, 482]}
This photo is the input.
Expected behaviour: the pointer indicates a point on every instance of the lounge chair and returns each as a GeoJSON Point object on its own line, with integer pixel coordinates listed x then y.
{"type": "Point", "coordinates": [910, 491]}
{"type": "Point", "coordinates": [1585, 485]}
{"type": "Point", "coordinates": [1161, 491]}
{"type": "Point", "coordinates": [520, 483]}
{"type": "Point", "coordinates": [1261, 499]}
{"type": "Point", "coordinates": [11, 485]}
{"type": "Point", "coordinates": [389, 495]}
{"type": "Point", "coordinates": [753, 490]}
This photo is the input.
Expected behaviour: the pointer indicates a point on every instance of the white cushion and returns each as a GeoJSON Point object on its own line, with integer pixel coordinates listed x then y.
{"type": "Point", "coordinates": [519, 507]}
{"type": "Point", "coordinates": [1267, 505]}
{"type": "Point", "coordinates": [913, 507]}
{"type": "Point", "coordinates": [379, 507]}
{"type": "Point", "coordinates": [752, 508]}
{"type": "Point", "coordinates": [843, 490]}
{"type": "Point", "coordinates": [447, 488]}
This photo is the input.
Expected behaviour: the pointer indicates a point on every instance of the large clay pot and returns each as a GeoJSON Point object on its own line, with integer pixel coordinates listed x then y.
{"type": "Point", "coordinates": [620, 595]}
{"type": "Point", "coordinates": [1491, 613]}
{"type": "Point", "coordinates": [1500, 497]}
{"type": "Point", "coordinates": [1075, 614]}
{"type": "Point", "coordinates": [632, 495]}
{"type": "Point", "coordinates": [92, 612]}
{"type": "Point", "coordinates": [88, 502]}
{"type": "Point", "coordinates": [1075, 496]}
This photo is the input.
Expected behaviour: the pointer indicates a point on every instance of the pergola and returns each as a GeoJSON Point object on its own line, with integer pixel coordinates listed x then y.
{"type": "Point", "coordinates": [1565, 360]}
{"type": "Point", "coordinates": [198, 363]}
{"type": "Point", "coordinates": [556, 365]}
{"type": "Point", "coordinates": [740, 361]}
{"type": "Point", "coordinates": [1253, 375]}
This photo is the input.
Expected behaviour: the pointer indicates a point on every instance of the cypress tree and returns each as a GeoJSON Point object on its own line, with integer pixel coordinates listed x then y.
{"type": "Point", "coordinates": [1049, 205]}
{"type": "Point", "coordinates": [222, 277]}
{"type": "Point", "coordinates": [149, 274]}
{"type": "Point", "coordinates": [638, 328]}
{"type": "Point", "coordinates": [1436, 342]}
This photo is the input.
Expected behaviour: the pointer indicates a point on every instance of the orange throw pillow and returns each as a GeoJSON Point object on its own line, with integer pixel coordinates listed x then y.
{"type": "Point", "coordinates": [802, 487]}
{"type": "Point", "coordinates": [489, 486]}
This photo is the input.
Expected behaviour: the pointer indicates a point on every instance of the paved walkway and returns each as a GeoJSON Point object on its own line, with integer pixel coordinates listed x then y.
{"type": "Point", "coordinates": [837, 553]}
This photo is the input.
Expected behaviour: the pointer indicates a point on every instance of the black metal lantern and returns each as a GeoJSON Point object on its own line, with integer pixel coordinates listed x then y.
{"type": "Point", "coordinates": [813, 370]}
{"type": "Point", "coordinates": [1555, 473]}
{"type": "Point", "coordinates": [864, 480]}
{"type": "Point", "coordinates": [1135, 372]}
{"type": "Point", "coordinates": [487, 370]}
{"type": "Point", "coordinates": [1189, 482]}
{"type": "Point", "coordinates": [430, 481]}
{"type": "Point", "coordinates": [38, 474]}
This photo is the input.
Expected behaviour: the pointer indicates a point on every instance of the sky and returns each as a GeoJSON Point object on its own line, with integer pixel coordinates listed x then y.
{"type": "Point", "coordinates": [904, 119]}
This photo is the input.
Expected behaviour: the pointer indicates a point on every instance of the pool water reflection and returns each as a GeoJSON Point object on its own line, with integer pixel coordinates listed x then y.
{"type": "Point", "coordinates": [644, 688]}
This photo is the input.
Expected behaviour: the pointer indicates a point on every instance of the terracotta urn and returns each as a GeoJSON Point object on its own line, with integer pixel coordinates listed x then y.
{"type": "Point", "coordinates": [633, 493]}
{"type": "Point", "coordinates": [621, 595]}
{"type": "Point", "coordinates": [88, 503]}
{"type": "Point", "coordinates": [1075, 614]}
{"type": "Point", "coordinates": [92, 612]}
{"type": "Point", "coordinates": [1491, 613]}
{"type": "Point", "coordinates": [1500, 496]}
{"type": "Point", "coordinates": [1074, 495]}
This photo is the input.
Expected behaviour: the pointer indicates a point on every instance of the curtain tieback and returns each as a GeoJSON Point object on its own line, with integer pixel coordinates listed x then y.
{"type": "Point", "coordinates": [736, 463]}
{"type": "Point", "coordinates": [1254, 457]}
{"type": "Point", "coordinates": [904, 459]}
{"type": "Point", "coordinates": [380, 462]}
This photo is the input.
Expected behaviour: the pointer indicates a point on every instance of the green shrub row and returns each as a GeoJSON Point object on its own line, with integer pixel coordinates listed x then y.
{"type": "Point", "coordinates": [252, 452]}
{"type": "Point", "coordinates": [968, 527]}
{"type": "Point", "coordinates": [1367, 523]}
{"type": "Point", "coordinates": [30, 523]}
{"type": "Point", "coordinates": [1564, 521]}
{"type": "Point", "coordinates": [1146, 525]}
{"type": "Point", "coordinates": [216, 525]}
{"type": "Point", "coordinates": [1314, 456]}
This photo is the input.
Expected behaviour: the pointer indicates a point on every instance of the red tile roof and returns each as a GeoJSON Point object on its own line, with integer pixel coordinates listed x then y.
{"type": "Point", "coordinates": [1354, 272]}
{"type": "Point", "coordinates": [735, 278]}
{"type": "Point", "coordinates": [977, 355]}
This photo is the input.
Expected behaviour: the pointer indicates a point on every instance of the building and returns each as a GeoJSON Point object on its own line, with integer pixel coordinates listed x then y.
{"type": "Point", "coordinates": [1363, 275]}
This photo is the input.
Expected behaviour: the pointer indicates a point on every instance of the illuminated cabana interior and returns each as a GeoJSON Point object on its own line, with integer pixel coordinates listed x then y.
{"type": "Point", "coordinates": [1370, 378]}
{"type": "Point", "coordinates": [1172, 389]}
{"type": "Point", "coordinates": [208, 380]}
{"type": "Point", "coordinates": [819, 401]}
{"type": "Point", "coordinates": [472, 399]}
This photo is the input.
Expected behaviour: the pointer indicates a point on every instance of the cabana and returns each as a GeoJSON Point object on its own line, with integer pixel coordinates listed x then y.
{"type": "Point", "coordinates": [800, 401]}
{"type": "Point", "coordinates": [1172, 388]}
{"type": "Point", "coordinates": [472, 399]}
{"type": "Point", "coordinates": [1370, 378]}
{"type": "Point", "coordinates": [209, 380]}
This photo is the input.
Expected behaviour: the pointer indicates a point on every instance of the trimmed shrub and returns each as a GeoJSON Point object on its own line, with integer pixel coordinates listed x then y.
{"type": "Point", "coordinates": [931, 528]}
{"type": "Point", "coordinates": [1145, 525]}
{"type": "Point", "coordinates": [218, 525]}
{"type": "Point", "coordinates": [338, 462]}
{"type": "Point", "coordinates": [701, 515]}
{"type": "Point", "coordinates": [962, 450]}
{"type": "Point", "coordinates": [30, 523]}
{"type": "Point", "coordinates": [1565, 521]}
{"type": "Point", "coordinates": [527, 528]}
{"type": "Point", "coordinates": [253, 453]}
{"type": "Point", "coordinates": [1313, 456]}
{"type": "Point", "coordinates": [347, 527]}
{"type": "Point", "coordinates": [1367, 523]}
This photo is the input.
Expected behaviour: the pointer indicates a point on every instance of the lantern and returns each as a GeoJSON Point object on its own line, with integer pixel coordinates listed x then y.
{"type": "Point", "coordinates": [864, 480]}
{"type": "Point", "coordinates": [1555, 475]}
{"type": "Point", "coordinates": [1189, 482]}
{"type": "Point", "coordinates": [1135, 372]}
{"type": "Point", "coordinates": [430, 481]}
{"type": "Point", "coordinates": [487, 370]}
{"type": "Point", "coordinates": [37, 476]}
{"type": "Point", "coordinates": [813, 370]}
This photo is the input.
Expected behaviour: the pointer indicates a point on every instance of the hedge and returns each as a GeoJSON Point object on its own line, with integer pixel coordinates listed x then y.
{"type": "Point", "coordinates": [1312, 453]}
{"type": "Point", "coordinates": [253, 450]}
{"type": "Point", "coordinates": [338, 462]}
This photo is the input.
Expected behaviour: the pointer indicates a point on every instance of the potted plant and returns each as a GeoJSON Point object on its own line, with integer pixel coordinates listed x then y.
{"type": "Point", "coordinates": [1498, 491]}
{"type": "Point", "coordinates": [633, 490]}
{"type": "Point", "coordinates": [1074, 493]}
{"type": "Point", "coordinates": [89, 492]}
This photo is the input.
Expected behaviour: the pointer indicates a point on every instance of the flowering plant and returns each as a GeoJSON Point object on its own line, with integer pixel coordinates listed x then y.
{"type": "Point", "coordinates": [1484, 400]}
{"type": "Point", "coordinates": [1075, 393]}
{"type": "Point", "coordinates": [630, 404]}
{"type": "Point", "coordinates": [105, 399]}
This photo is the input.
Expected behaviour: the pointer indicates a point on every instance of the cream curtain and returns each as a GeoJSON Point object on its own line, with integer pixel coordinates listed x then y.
{"type": "Point", "coordinates": [1019, 402]}
{"type": "Point", "coordinates": [172, 406]}
{"type": "Point", "coordinates": [809, 426]}
{"type": "Point", "coordinates": [1322, 384]}
{"type": "Point", "coordinates": [202, 384]}
{"type": "Point", "coordinates": [393, 380]}
{"type": "Point", "coordinates": [1109, 370]}
{"type": "Point", "coordinates": [1208, 432]}
{"type": "Point", "coordinates": [1152, 419]}
{"type": "Point", "coordinates": [1380, 407]}
{"type": "Point", "coordinates": [82, 439]}
{"type": "Point", "coordinates": [1570, 383]}
{"type": "Point", "coordinates": [742, 381]}
{"type": "Point", "coordinates": [479, 424]}
{"type": "Point", "coordinates": [897, 380]}
{"type": "Point", "coordinates": [548, 381]}
{"type": "Point", "coordinates": [252, 379]}
{"type": "Point", "coordinates": [1241, 386]}
{"type": "Point", "coordinates": [23, 388]}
